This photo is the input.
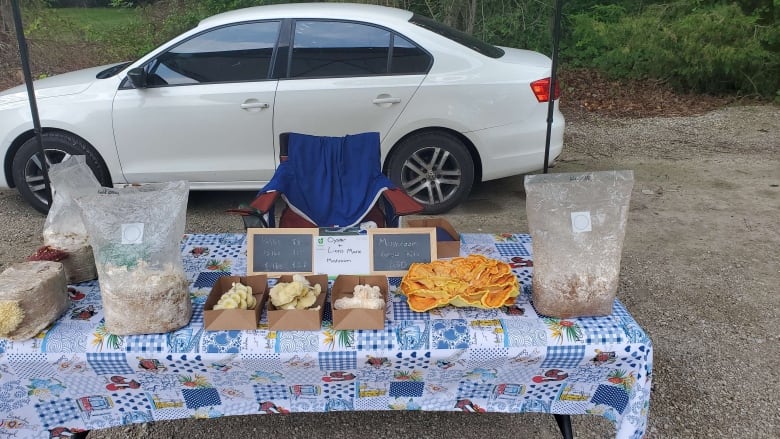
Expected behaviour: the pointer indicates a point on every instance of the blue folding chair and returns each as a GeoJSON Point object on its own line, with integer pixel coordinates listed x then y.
{"type": "Point", "coordinates": [330, 182]}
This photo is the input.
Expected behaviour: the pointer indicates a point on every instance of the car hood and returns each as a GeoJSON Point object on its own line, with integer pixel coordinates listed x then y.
{"type": "Point", "coordinates": [58, 85]}
{"type": "Point", "coordinates": [525, 57]}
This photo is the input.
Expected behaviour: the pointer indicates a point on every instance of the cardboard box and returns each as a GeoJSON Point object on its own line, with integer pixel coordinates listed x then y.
{"type": "Point", "coordinates": [299, 319]}
{"type": "Point", "coordinates": [358, 318]}
{"type": "Point", "coordinates": [447, 239]}
{"type": "Point", "coordinates": [235, 319]}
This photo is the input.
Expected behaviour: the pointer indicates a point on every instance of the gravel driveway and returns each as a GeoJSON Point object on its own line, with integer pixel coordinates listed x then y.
{"type": "Point", "coordinates": [700, 272]}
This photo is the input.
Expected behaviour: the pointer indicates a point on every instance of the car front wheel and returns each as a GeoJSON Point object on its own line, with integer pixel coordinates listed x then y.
{"type": "Point", "coordinates": [27, 167]}
{"type": "Point", "coordinates": [434, 168]}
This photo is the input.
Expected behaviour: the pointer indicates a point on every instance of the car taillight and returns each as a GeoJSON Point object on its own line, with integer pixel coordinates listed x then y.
{"type": "Point", "coordinates": [541, 89]}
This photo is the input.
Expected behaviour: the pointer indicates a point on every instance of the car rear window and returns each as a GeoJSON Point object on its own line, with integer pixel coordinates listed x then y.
{"type": "Point", "coordinates": [459, 37]}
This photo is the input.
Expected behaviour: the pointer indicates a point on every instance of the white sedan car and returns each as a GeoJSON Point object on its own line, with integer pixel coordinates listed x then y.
{"type": "Point", "coordinates": [209, 105]}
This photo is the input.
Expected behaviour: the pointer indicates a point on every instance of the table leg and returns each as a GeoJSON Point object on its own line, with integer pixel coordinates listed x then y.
{"type": "Point", "coordinates": [564, 424]}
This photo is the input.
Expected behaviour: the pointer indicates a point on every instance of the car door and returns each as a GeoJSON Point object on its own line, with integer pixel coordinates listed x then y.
{"type": "Point", "coordinates": [340, 79]}
{"type": "Point", "coordinates": [206, 115]}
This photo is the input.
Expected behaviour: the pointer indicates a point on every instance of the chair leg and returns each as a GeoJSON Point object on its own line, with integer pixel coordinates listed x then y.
{"type": "Point", "coordinates": [564, 424]}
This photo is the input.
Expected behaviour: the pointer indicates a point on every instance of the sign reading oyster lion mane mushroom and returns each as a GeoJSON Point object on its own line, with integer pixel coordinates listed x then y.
{"type": "Point", "coordinates": [394, 250]}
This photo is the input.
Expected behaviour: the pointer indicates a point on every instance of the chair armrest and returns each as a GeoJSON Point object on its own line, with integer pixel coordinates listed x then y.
{"type": "Point", "coordinates": [402, 203]}
{"type": "Point", "coordinates": [265, 201]}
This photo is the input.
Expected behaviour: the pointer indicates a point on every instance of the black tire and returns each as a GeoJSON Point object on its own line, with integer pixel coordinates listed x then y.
{"type": "Point", "coordinates": [435, 168]}
{"type": "Point", "coordinates": [28, 174]}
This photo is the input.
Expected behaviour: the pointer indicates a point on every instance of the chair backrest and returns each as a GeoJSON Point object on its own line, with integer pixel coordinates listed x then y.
{"type": "Point", "coordinates": [332, 181]}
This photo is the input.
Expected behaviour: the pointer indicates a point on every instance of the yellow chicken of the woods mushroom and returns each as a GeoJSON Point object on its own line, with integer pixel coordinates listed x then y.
{"type": "Point", "coordinates": [474, 280]}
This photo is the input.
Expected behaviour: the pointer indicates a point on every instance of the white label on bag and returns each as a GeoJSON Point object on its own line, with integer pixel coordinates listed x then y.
{"type": "Point", "coordinates": [580, 222]}
{"type": "Point", "coordinates": [133, 233]}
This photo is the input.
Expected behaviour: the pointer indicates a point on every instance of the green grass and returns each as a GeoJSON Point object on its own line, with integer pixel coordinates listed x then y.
{"type": "Point", "coordinates": [71, 25]}
{"type": "Point", "coordinates": [97, 18]}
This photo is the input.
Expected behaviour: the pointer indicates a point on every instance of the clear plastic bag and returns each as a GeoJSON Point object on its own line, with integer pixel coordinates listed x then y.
{"type": "Point", "coordinates": [135, 233]}
{"type": "Point", "coordinates": [64, 229]}
{"type": "Point", "coordinates": [577, 223]}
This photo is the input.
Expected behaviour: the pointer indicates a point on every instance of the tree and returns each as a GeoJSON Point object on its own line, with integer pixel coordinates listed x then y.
{"type": "Point", "coordinates": [6, 17]}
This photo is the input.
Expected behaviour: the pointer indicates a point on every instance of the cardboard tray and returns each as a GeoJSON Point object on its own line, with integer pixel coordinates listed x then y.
{"type": "Point", "coordinates": [235, 319]}
{"type": "Point", "coordinates": [444, 248]}
{"type": "Point", "coordinates": [299, 319]}
{"type": "Point", "coordinates": [357, 318]}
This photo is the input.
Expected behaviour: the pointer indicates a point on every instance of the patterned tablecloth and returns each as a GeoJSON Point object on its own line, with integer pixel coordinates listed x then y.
{"type": "Point", "coordinates": [77, 376]}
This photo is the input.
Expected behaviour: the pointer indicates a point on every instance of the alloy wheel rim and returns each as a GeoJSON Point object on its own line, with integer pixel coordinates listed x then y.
{"type": "Point", "coordinates": [431, 175]}
{"type": "Point", "coordinates": [33, 171]}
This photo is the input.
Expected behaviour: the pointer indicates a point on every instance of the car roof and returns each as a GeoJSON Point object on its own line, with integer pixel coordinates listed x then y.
{"type": "Point", "coordinates": [346, 11]}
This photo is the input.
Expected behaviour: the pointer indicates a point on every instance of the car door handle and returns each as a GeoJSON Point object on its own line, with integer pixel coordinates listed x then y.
{"type": "Point", "coordinates": [250, 105]}
{"type": "Point", "coordinates": [387, 100]}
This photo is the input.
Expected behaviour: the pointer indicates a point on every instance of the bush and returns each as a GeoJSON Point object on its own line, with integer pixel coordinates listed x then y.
{"type": "Point", "coordinates": [712, 49]}
{"type": "Point", "coordinates": [525, 27]}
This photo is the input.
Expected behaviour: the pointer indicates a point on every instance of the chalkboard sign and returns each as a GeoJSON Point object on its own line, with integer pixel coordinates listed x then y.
{"type": "Point", "coordinates": [394, 250]}
{"type": "Point", "coordinates": [280, 251]}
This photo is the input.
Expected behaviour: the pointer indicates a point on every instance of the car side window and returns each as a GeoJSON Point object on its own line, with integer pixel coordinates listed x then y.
{"type": "Point", "coordinates": [335, 48]}
{"type": "Point", "coordinates": [241, 52]}
{"type": "Point", "coordinates": [408, 58]}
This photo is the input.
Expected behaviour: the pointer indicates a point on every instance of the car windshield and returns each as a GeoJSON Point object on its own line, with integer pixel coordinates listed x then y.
{"type": "Point", "coordinates": [459, 37]}
{"type": "Point", "coordinates": [111, 71]}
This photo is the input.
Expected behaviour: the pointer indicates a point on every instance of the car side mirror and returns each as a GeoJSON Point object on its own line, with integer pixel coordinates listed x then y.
{"type": "Point", "coordinates": [137, 77]}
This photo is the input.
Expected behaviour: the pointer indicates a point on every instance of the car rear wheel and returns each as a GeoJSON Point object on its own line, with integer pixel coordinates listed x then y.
{"type": "Point", "coordinates": [434, 168]}
{"type": "Point", "coordinates": [27, 167]}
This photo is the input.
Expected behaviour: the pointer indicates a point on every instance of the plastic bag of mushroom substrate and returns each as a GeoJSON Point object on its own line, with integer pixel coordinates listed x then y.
{"type": "Point", "coordinates": [135, 234]}
{"type": "Point", "coordinates": [64, 229]}
{"type": "Point", "coordinates": [577, 223]}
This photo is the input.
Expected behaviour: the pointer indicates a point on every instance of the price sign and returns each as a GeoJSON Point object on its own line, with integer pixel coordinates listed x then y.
{"type": "Point", "coordinates": [280, 251]}
{"type": "Point", "coordinates": [394, 250]}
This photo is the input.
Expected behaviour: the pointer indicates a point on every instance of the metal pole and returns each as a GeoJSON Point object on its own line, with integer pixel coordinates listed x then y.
{"type": "Point", "coordinates": [24, 55]}
{"type": "Point", "coordinates": [553, 80]}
